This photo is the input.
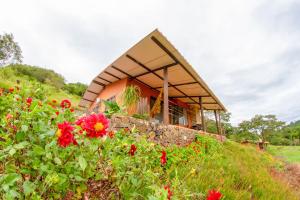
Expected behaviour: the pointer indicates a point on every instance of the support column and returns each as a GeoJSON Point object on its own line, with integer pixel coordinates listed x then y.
{"type": "Point", "coordinates": [220, 124]}
{"type": "Point", "coordinates": [166, 96]}
{"type": "Point", "coordinates": [217, 122]}
{"type": "Point", "coordinates": [202, 114]}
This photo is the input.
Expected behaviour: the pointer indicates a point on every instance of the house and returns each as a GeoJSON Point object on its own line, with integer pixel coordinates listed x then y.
{"type": "Point", "coordinates": [154, 65]}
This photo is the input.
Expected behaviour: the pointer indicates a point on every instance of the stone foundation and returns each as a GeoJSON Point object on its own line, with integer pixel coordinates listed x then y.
{"type": "Point", "coordinates": [159, 133]}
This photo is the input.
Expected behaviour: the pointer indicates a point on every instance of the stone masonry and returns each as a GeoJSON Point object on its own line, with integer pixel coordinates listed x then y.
{"type": "Point", "coordinates": [159, 133]}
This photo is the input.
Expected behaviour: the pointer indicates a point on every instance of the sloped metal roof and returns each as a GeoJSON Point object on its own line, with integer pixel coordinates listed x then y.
{"type": "Point", "coordinates": [144, 62]}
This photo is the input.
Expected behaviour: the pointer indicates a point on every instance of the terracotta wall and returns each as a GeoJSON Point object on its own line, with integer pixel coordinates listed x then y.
{"type": "Point", "coordinates": [113, 89]}
{"type": "Point", "coordinates": [116, 88]}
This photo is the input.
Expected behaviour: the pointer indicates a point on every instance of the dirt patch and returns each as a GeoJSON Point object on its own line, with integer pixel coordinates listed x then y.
{"type": "Point", "coordinates": [290, 174]}
{"type": "Point", "coordinates": [98, 190]}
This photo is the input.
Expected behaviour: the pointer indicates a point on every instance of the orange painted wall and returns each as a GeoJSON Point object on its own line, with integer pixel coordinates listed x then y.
{"type": "Point", "coordinates": [113, 89]}
{"type": "Point", "coordinates": [116, 88]}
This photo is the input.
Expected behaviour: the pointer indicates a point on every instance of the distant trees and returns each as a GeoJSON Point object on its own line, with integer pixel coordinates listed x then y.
{"type": "Point", "coordinates": [226, 126]}
{"type": "Point", "coordinates": [267, 128]}
{"type": "Point", "coordinates": [75, 88]}
{"type": "Point", "coordinates": [43, 75]}
{"type": "Point", "coordinates": [10, 51]}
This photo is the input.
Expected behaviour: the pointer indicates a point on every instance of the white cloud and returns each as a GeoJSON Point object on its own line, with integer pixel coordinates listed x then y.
{"type": "Point", "coordinates": [247, 51]}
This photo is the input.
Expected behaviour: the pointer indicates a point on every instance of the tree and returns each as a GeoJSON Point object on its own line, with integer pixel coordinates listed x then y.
{"type": "Point", "coordinates": [10, 51]}
{"type": "Point", "coordinates": [264, 125]}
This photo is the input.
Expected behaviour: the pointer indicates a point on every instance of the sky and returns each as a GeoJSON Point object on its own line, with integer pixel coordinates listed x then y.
{"type": "Point", "coordinates": [248, 51]}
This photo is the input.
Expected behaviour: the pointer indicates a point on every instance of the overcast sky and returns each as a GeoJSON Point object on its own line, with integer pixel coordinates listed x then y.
{"type": "Point", "coordinates": [247, 51]}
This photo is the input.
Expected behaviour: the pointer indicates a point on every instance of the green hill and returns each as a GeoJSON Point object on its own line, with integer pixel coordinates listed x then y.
{"type": "Point", "coordinates": [54, 83]}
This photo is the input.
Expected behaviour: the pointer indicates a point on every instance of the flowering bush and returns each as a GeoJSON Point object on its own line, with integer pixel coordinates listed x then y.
{"type": "Point", "coordinates": [46, 152]}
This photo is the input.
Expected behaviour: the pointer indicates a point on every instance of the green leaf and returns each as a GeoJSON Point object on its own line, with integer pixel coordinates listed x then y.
{"type": "Point", "coordinates": [10, 179]}
{"type": "Point", "coordinates": [82, 162]}
{"type": "Point", "coordinates": [38, 150]}
{"type": "Point", "coordinates": [57, 161]}
{"type": "Point", "coordinates": [21, 145]}
{"type": "Point", "coordinates": [28, 187]}
{"type": "Point", "coordinates": [20, 136]}
{"type": "Point", "coordinates": [24, 128]}
{"type": "Point", "coordinates": [12, 151]}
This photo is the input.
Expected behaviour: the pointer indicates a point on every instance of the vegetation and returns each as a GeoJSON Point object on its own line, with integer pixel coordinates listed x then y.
{"type": "Point", "coordinates": [10, 51]}
{"type": "Point", "coordinates": [260, 127]}
{"type": "Point", "coordinates": [75, 88]}
{"type": "Point", "coordinates": [112, 108]}
{"type": "Point", "coordinates": [288, 153]}
{"type": "Point", "coordinates": [131, 96]}
{"type": "Point", "coordinates": [49, 81]}
{"type": "Point", "coordinates": [48, 152]}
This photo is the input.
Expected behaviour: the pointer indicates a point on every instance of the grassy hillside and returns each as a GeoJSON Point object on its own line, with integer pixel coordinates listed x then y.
{"type": "Point", "coordinates": [33, 164]}
{"type": "Point", "coordinates": [52, 82]}
{"type": "Point", "coordinates": [288, 153]}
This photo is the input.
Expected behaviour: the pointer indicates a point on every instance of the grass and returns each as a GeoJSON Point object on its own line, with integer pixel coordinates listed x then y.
{"type": "Point", "coordinates": [288, 153]}
{"type": "Point", "coordinates": [8, 79]}
{"type": "Point", "coordinates": [240, 172]}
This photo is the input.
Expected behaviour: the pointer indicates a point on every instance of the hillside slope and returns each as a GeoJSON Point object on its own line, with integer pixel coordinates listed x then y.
{"type": "Point", "coordinates": [30, 154]}
{"type": "Point", "coordinates": [53, 83]}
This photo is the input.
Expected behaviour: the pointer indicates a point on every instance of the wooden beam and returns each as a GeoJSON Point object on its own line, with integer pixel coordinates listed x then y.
{"type": "Point", "coordinates": [92, 91]}
{"type": "Point", "coordinates": [217, 121]}
{"type": "Point", "coordinates": [154, 70]}
{"type": "Point", "coordinates": [132, 77]}
{"type": "Point", "coordinates": [180, 84]}
{"type": "Point", "coordinates": [87, 100]}
{"type": "Point", "coordinates": [112, 75]}
{"type": "Point", "coordinates": [166, 97]}
{"type": "Point", "coordinates": [104, 79]}
{"type": "Point", "coordinates": [156, 41]}
{"type": "Point", "coordinates": [189, 96]}
{"type": "Point", "coordinates": [202, 114]}
{"type": "Point", "coordinates": [99, 83]}
{"type": "Point", "coordinates": [149, 70]}
{"type": "Point", "coordinates": [202, 102]}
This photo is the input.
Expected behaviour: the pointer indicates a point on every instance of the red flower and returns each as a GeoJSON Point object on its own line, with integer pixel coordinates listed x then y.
{"type": "Point", "coordinates": [213, 195]}
{"type": "Point", "coordinates": [72, 109]}
{"type": "Point", "coordinates": [169, 192]}
{"type": "Point", "coordinates": [80, 122]}
{"type": "Point", "coordinates": [9, 116]}
{"type": "Point", "coordinates": [57, 113]}
{"type": "Point", "coordinates": [163, 158]}
{"type": "Point", "coordinates": [132, 150]}
{"type": "Point", "coordinates": [29, 101]}
{"type": "Point", "coordinates": [65, 103]}
{"type": "Point", "coordinates": [64, 134]}
{"type": "Point", "coordinates": [11, 89]}
{"type": "Point", "coordinates": [95, 125]}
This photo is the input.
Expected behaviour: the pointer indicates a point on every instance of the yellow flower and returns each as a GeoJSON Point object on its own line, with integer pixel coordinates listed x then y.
{"type": "Point", "coordinates": [98, 126]}
{"type": "Point", "coordinates": [58, 133]}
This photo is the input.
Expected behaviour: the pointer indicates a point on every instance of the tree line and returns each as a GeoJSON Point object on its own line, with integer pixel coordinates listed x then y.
{"type": "Point", "coordinates": [267, 128]}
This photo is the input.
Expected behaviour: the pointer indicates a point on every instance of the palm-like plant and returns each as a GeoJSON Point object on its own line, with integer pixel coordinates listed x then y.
{"type": "Point", "coordinates": [131, 96]}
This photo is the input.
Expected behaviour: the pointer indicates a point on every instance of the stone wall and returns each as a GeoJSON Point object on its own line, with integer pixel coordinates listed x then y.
{"type": "Point", "coordinates": [160, 133]}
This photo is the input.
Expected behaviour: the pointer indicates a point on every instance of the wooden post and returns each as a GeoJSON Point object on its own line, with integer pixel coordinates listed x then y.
{"type": "Point", "coordinates": [220, 124]}
{"type": "Point", "coordinates": [202, 114]}
{"type": "Point", "coordinates": [166, 96]}
{"type": "Point", "coordinates": [217, 123]}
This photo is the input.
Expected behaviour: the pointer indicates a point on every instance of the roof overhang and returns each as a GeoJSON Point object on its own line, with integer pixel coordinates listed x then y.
{"type": "Point", "coordinates": [144, 62]}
